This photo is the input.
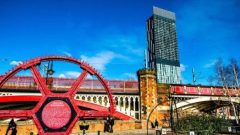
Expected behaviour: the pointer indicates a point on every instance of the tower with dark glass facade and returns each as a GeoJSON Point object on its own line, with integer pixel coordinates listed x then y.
{"type": "Point", "coordinates": [162, 46]}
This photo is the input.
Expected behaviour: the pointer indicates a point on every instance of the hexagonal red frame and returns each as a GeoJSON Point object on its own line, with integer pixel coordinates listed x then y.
{"type": "Point", "coordinates": [46, 93]}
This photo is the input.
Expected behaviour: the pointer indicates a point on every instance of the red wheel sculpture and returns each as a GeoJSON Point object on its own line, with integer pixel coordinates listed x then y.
{"type": "Point", "coordinates": [56, 113]}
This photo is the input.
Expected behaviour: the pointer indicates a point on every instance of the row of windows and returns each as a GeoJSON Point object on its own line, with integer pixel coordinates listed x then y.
{"type": "Point", "coordinates": [162, 41]}
{"type": "Point", "coordinates": [168, 74]}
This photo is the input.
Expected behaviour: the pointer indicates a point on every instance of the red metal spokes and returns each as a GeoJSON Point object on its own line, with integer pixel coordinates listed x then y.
{"type": "Point", "coordinates": [40, 81]}
{"type": "Point", "coordinates": [77, 83]}
{"type": "Point", "coordinates": [53, 101]}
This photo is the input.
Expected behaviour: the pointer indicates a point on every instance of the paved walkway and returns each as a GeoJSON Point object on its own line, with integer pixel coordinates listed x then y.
{"type": "Point", "coordinates": [128, 132]}
{"type": "Point", "coordinates": [136, 132]}
{"type": "Point", "coordinates": [132, 132]}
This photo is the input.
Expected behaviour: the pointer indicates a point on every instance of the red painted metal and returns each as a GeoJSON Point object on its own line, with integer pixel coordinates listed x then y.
{"type": "Point", "coordinates": [77, 83]}
{"type": "Point", "coordinates": [192, 90]}
{"type": "Point", "coordinates": [203, 90]}
{"type": "Point", "coordinates": [47, 94]}
{"type": "Point", "coordinates": [31, 98]}
{"type": "Point", "coordinates": [218, 91]}
{"type": "Point", "coordinates": [177, 90]}
{"type": "Point", "coordinates": [16, 113]}
{"type": "Point", "coordinates": [9, 99]}
{"type": "Point", "coordinates": [40, 81]}
{"type": "Point", "coordinates": [122, 116]}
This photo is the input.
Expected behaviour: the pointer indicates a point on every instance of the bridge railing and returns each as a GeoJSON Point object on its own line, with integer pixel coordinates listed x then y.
{"type": "Point", "coordinates": [27, 82]}
{"type": "Point", "coordinates": [203, 90]}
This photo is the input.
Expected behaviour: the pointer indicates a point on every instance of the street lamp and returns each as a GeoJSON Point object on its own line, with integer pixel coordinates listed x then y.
{"type": "Point", "coordinates": [151, 114]}
{"type": "Point", "coordinates": [171, 109]}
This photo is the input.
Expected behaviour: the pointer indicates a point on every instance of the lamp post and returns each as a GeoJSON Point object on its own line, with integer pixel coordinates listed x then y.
{"type": "Point", "coordinates": [150, 114]}
{"type": "Point", "coordinates": [171, 111]}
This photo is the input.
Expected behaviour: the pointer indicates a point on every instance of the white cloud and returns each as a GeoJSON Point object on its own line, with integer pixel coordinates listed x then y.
{"type": "Point", "coordinates": [101, 59]}
{"type": "Point", "coordinates": [62, 76]}
{"type": "Point", "coordinates": [89, 77]}
{"type": "Point", "coordinates": [182, 67]}
{"type": "Point", "coordinates": [210, 64]}
{"type": "Point", "coordinates": [130, 43]}
{"type": "Point", "coordinates": [72, 74]}
{"type": "Point", "coordinates": [15, 63]}
{"type": "Point", "coordinates": [131, 76]}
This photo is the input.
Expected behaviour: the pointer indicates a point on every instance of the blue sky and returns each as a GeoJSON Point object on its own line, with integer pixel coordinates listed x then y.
{"type": "Point", "coordinates": [111, 34]}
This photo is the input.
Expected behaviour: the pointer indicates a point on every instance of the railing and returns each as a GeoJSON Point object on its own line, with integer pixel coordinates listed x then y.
{"type": "Point", "coordinates": [27, 82]}
{"type": "Point", "coordinates": [203, 90]}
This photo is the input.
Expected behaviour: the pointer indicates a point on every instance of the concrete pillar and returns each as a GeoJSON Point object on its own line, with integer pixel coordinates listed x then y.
{"type": "Point", "coordinates": [118, 106]}
{"type": "Point", "coordinates": [120, 103]}
{"type": "Point", "coordinates": [124, 105]}
{"type": "Point", "coordinates": [129, 107]}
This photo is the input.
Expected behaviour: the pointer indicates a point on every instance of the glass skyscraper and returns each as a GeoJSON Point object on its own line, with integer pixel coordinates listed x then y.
{"type": "Point", "coordinates": [162, 46]}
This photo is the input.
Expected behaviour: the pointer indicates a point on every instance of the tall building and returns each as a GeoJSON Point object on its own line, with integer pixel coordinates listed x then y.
{"type": "Point", "coordinates": [162, 46]}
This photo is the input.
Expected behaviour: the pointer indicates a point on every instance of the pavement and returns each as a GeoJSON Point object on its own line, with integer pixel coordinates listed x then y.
{"type": "Point", "coordinates": [130, 132]}
{"type": "Point", "coordinates": [127, 132]}
{"type": "Point", "coordinates": [136, 132]}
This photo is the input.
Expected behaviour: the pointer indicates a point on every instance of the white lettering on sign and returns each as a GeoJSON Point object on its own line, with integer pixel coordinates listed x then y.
{"type": "Point", "coordinates": [56, 114]}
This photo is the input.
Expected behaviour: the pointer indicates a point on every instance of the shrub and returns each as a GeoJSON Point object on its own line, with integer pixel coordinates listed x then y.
{"type": "Point", "coordinates": [203, 124]}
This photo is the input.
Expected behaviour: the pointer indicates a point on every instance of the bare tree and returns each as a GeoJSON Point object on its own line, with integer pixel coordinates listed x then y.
{"type": "Point", "coordinates": [236, 72]}
{"type": "Point", "coordinates": [229, 72]}
{"type": "Point", "coordinates": [227, 76]}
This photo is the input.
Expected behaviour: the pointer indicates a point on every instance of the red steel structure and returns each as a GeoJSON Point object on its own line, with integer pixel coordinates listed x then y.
{"type": "Point", "coordinates": [204, 90]}
{"type": "Point", "coordinates": [117, 86]}
{"type": "Point", "coordinates": [56, 113]}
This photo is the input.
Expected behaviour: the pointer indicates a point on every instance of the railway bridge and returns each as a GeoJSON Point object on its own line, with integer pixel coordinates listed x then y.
{"type": "Point", "coordinates": [163, 102]}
